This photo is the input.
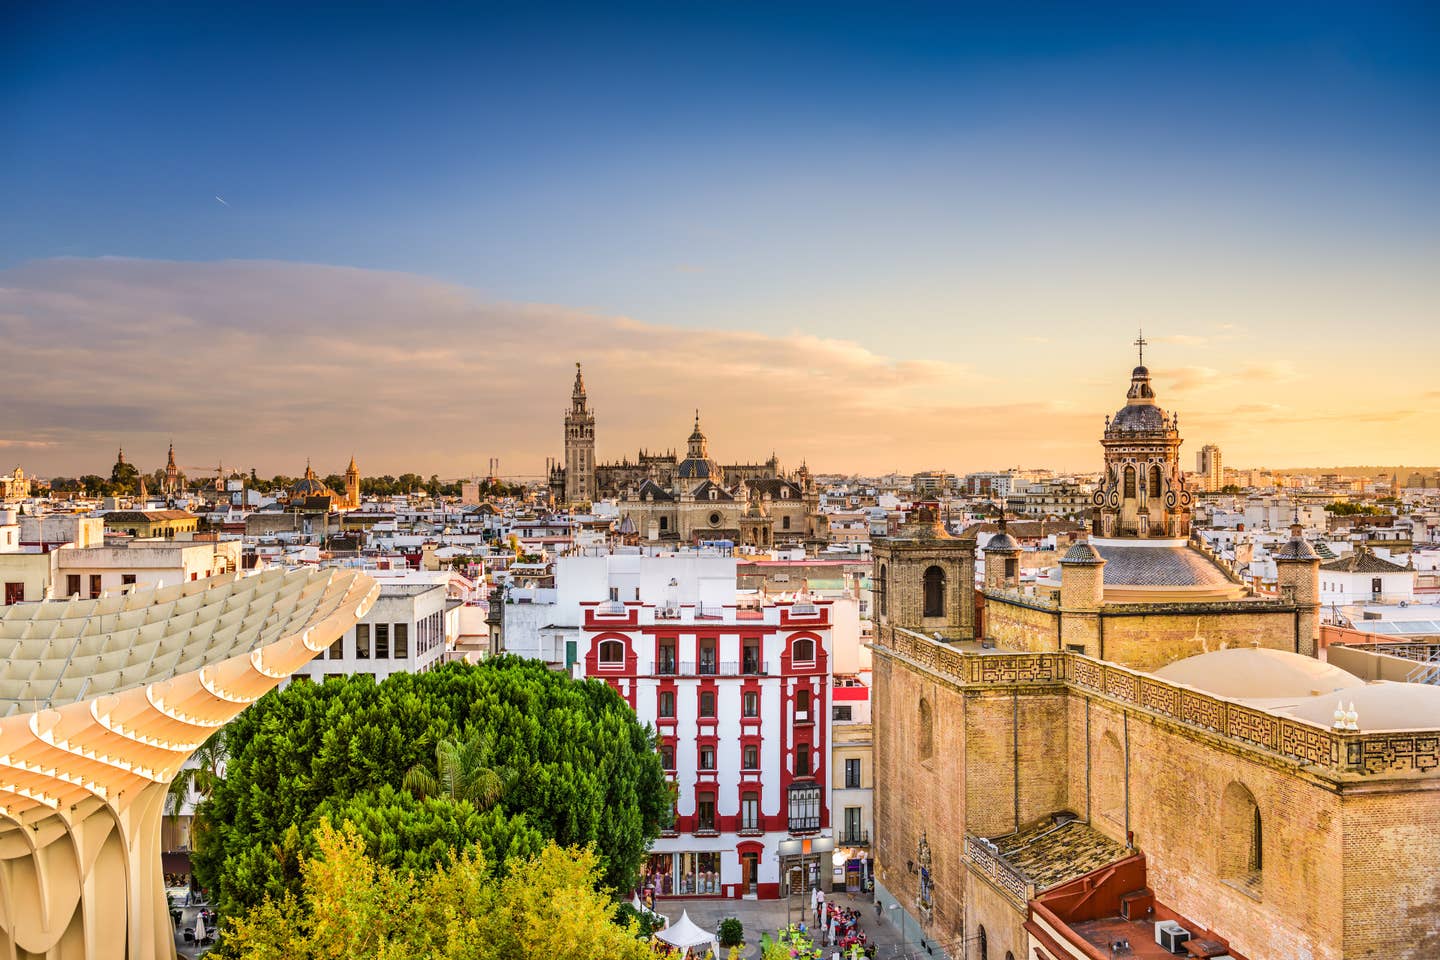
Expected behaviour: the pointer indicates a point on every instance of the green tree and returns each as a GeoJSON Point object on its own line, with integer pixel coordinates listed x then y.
{"type": "Point", "coordinates": [209, 761]}
{"type": "Point", "coordinates": [124, 477]}
{"type": "Point", "coordinates": [584, 772]}
{"type": "Point", "coordinates": [350, 905]}
{"type": "Point", "coordinates": [459, 773]}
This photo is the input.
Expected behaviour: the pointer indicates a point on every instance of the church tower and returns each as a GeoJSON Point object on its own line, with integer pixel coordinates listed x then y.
{"type": "Point", "coordinates": [579, 446]}
{"type": "Point", "coordinates": [352, 485]}
{"type": "Point", "coordinates": [172, 474]}
{"type": "Point", "coordinates": [1142, 493]}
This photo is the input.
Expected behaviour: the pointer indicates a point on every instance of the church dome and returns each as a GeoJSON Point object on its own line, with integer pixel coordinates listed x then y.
{"type": "Point", "coordinates": [1259, 673]}
{"type": "Point", "coordinates": [310, 486]}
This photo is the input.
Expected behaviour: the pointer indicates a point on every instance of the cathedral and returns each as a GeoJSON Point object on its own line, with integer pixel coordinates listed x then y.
{"type": "Point", "coordinates": [665, 498]}
{"type": "Point", "coordinates": [1140, 742]}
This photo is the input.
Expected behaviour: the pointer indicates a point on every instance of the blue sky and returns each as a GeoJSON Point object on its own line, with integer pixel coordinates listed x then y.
{"type": "Point", "coordinates": [929, 181]}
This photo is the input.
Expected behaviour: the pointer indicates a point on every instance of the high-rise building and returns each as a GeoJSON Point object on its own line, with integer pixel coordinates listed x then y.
{"type": "Point", "coordinates": [579, 446]}
{"type": "Point", "coordinates": [1208, 465]}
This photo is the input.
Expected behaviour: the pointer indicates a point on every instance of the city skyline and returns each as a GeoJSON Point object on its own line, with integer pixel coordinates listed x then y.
{"type": "Point", "coordinates": [904, 242]}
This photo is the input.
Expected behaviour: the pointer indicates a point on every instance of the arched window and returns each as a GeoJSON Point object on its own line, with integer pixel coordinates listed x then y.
{"type": "Point", "coordinates": [934, 592]}
{"type": "Point", "coordinates": [803, 650]}
{"type": "Point", "coordinates": [1242, 839]}
{"type": "Point", "coordinates": [612, 653]}
{"type": "Point", "coordinates": [984, 944]}
{"type": "Point", "coordinates": [1009, 955]}
{"type": "Point", "coordinates": [884, 592]}
{"type": "Point", "coordinates": [927, 731]}
{"type": "Point", "coordinates": [1155, 481]}
{"type": "Point", "coordinates": [1129, 483]}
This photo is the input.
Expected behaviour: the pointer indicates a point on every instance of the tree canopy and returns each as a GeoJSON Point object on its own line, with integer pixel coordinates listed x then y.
{"type": "Point", "coordinates": [351, 905]}
{"type": "Point", "coordinates": [582, 771]}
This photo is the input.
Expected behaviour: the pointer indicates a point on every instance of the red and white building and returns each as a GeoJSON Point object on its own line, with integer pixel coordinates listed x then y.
{"type": "Point", "coordinates": [740, 696]}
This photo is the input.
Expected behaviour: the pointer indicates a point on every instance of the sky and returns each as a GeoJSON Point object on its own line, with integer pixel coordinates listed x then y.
{"type": "Point", "coordinates": [866, 236]}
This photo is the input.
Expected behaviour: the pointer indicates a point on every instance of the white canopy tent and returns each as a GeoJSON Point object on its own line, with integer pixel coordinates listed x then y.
{"type": "Point", "coordinates": [686, 935]}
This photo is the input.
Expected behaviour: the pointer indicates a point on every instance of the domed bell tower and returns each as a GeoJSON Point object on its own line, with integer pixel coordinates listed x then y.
{"type": "Point", "coordinates": [1142, 493]}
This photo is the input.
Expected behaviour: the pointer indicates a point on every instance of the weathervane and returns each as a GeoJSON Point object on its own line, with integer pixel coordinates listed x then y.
{"type": "Point", "coordinates": [1140, 342]}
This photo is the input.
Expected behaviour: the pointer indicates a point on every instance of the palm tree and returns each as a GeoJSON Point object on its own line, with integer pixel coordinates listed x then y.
{"type": "Point", "coordinates": [460, 773]}
{"type": "Point", "coordinates": [209, 770]}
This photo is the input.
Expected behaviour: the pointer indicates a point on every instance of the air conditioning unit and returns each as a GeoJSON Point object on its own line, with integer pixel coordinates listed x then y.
{"type": "Point", "coordinates": [1171, 936]}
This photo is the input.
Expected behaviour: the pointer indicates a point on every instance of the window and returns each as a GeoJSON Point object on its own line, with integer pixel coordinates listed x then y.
{"type": "Point", "coordinates": [402, 641]}
{"type": "Point", "coordinates": [705, 813]}
{"type": "Point", "coordinates": [1129, 483]}
{"type": "Point", "coordinates": [1375, 585]}
{"type": "Point", "coordinates": [362, 641]}
{"type": "Point", "coordinates": [804, 803]}
{"type": "Point", "coordinates": [612, 654]}
{"type": "Point", "coordinates": [1155, 482]}
{"type": "Point", "coordinates": [95, 587]}
{"type": "Point", "coordinates": [667, 662]}
{"type": "Point", "coordinates": [803, 650]}
{"type": "Point", "coordinates": [927, 732]}
{"type": "Point", "coordinates": [840, 712]}
{"type": "Point", "coordinates": [14, 592]}
{"type": "Point", "coordinates": [802, 760]}
{"type": "Point", "coordinates": [802, 704]}
{"type": "Point", "coordinates": [750, 704]}
{"type": "Point", "coordinates": [784, 521]}
{"type": "Point", "coordinates": [750, 811]}
{"type": "Point", "coordinates": [707, 703]}
{"type": "Point", "coordinates": [667, 756]}
{"type": "Point", "coordinates": [884, 590]}
{"type": "Point", "coordinates": [750, 758]}
{"type": "Point", "coordinates": [614, 593]}
{"type": "Point", "coordinates": [72, 585]}
{"type": "Point", "coordinates": [382, 641]}
{"type": "Point", "coordinates": [707, 657]}
{"type": "Point", "coordinates": [852, 773]}
{"type": "Point", "coordinates": [337, 649]}
{"type": "Point", "coordinates": [707, 758]}
{"type": "Point", "coordinates": [1012, 569]}
{"type": "Point", "coordinates": [750, 656]}
{"type": "Point", "coordinates": [934, 581]}
{"type": "Point", "coordinates": [127, 579]}
{"type": "Point", "coordinates": [666, 704]}
{"type": "Point", "coordinates": [984, 945]}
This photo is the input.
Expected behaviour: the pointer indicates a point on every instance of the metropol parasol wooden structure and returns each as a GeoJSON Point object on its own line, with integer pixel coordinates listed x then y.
{"type": "Point", "coordinates": [101, 702]}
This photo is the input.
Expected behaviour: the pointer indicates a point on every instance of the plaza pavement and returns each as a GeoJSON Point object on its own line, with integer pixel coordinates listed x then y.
{"type": "Point", "coordinates": [769, 916]}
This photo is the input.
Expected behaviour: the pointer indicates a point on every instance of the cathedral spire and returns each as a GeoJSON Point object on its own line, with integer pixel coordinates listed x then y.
{"type": "Point", "coordinates": [579, 382]}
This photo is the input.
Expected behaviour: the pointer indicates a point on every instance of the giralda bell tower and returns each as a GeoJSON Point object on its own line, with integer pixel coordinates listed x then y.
{"type": "Point", "coordinates": [579, 446]}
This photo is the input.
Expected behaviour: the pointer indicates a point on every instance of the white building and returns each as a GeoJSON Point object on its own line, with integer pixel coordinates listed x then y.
{"type": "Point", "coordinates": [404, 632]}
{"type": "Point", "coordinates": [740, 697]}
{"type": "Point", "coordinates": [90, 571]}
{"type": "Point", "coordinates": [1365, 577]}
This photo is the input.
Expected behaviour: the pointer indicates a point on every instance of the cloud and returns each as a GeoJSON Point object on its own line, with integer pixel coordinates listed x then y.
{"type": "Point", "coordinates": [266, 364]}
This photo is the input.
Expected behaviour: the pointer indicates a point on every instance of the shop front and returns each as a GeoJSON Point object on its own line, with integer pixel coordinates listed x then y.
{"type": "Point", "coordinates": [688, 874]}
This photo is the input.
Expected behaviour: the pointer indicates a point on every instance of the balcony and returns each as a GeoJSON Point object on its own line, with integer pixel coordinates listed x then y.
{"type": "Point", "coordinates": [853, 838]}
{"type": "Point", "coordinates": [712, 668]}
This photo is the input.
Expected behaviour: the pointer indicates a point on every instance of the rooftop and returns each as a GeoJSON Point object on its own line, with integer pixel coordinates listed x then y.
{"type": "Point", "coordinates": [1047, 854]}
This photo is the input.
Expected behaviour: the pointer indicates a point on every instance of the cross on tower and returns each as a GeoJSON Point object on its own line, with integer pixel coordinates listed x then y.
{"type": "Point", "coordinates": [1140, 342]}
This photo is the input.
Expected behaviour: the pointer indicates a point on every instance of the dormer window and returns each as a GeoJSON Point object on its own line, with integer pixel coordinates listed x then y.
{"type": "Point", "coordinates": [714, 494]}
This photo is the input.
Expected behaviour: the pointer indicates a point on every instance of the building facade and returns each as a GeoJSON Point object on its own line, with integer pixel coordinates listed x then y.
{"type": "Point", "coordinates": [404, 632]}
{"type": "Point", "coordinates": [740, 697]}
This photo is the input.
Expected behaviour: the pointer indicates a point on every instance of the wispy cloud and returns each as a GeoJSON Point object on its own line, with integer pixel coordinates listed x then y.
{"type": "Point", "coordinates": [265, 364]}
